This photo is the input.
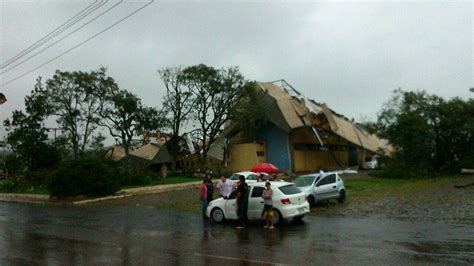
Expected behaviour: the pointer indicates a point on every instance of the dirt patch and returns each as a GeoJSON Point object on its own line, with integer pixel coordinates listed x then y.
{"type": "Point", "coordinates": [435, 200]}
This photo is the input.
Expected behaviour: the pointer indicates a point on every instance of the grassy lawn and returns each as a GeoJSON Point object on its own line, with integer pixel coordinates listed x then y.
{"type": "Point", "coordinates": [36, 190]}
{"type": "Point", "coordinates": [164, 181]}
{"type": "Point", "coordinates": [372, 183]}
{"type": "Point", "coordinates": [167, 180]}
{"type": "Point", "coordinates": [422, 199]}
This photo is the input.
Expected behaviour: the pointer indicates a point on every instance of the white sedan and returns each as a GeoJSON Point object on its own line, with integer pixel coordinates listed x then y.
{"type": "Point", "coordinates": [289, 202]}
{"type": "Point", "coordinates": [250, 177]}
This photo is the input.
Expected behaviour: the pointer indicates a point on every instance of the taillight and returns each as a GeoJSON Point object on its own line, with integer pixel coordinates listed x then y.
{"type": "Point", "coordinates": [285, 201]}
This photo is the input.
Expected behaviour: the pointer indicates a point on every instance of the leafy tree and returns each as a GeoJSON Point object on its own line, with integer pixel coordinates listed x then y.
{"type": "Point", "coordinates": [28, 136]}
{"type": "Point", "coordinates": [178, 104]}
{"type": "Point", "coordinates": [429, 133]}
{"type": "Point", "coordinates": [216, 93]}
{"type": "Point", "coordinates": [97, 144]}
{"type": "Point", "coordinates": [125, 116]}
{"type": "Point", "coordinates": [76, 99]}
{"type": "Point", "coordinates": [249, 114]}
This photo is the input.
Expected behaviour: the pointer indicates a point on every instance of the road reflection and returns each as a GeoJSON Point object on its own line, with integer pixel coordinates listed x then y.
{"type": "Point", "coordinates": [97, 235]}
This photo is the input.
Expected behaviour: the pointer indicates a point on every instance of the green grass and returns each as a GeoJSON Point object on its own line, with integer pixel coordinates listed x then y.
{"type": "Point", "coordinates": [372, 183]}
{"type": "Point", "coordinates": [167, 181]}
{"type": "Point", "coordinates": [36, 190]}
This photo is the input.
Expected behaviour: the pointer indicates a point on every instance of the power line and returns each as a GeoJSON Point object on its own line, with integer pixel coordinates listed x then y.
{"type": "Point", "coordinates": [81, 43]}
{"type": "Point", "coordinates": [76, 18]}
{"type": "Point", "coordinates": [64, 37]}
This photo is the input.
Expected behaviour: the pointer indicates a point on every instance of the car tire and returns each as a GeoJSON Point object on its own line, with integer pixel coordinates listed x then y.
{"type": "Point", "coordinates": [277, 218]}
{"type": "Point", "coordinates": [217, 215]}
{"type": "Point", "coordinates": [342, 196]}
{"type": "Point", "coordinates": [311, 200]}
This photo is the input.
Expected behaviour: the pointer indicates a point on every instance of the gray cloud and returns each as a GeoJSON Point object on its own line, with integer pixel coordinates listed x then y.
{"type": "Point", "coordinates": [349, 55]}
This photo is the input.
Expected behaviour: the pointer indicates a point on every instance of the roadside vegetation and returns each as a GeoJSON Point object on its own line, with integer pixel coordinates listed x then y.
{"type": "Point", "coordinates": [178, 179]}
{"type": "Point", "coordinates": [431, 136]}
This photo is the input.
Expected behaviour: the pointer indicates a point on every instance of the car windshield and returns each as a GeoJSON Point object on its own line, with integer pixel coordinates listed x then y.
{"type": "Point", "coordinates": [290, 189]}
{"type": "Point", "coordinates": [304, 180]}
{"type": "Point", "coordinates": [234, 177]}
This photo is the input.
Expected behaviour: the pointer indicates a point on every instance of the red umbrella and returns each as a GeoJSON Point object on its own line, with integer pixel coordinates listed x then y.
{"type": "Point", "coordinates": [264, 168]}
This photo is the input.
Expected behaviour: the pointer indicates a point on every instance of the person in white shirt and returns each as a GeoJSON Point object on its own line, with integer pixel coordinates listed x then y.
{"type": "Point", "coordinates": [321, 173]}
{"type": "Point", "coordinates": [225, 187]}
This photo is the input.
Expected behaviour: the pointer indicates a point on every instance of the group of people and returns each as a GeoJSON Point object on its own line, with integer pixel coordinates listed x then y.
{"type": "Point", "coordinates": [225, 188]}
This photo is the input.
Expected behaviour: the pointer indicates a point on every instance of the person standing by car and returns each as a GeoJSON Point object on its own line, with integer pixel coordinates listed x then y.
{"type": "Point", "coordinates": [225, 187]}
{"type": "Point", "coordinates": [268, 205]}
{"type": "Point", "coordinates": [210, 189]}
{"type": "Point", "coordinates": [203, 197]}
{"type": "Point", "coordinates": [242, 202]}
{"type": "Point", "coordinates": [321, 172]}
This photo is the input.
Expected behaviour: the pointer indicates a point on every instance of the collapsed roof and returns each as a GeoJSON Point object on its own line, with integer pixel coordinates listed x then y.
{"type": "Point", "coordinates": [151, 153]}
{"type": "Point", "coordinates": [288, 109]}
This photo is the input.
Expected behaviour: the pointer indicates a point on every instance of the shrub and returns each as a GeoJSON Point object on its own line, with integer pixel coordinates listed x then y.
{"type": "Point", "coordinates": [400, 169]}
{"type": "Point", "coordinates": [131, 179]}
{"type": "Point", "coordinates": [13, 184]}
{"type": "Point", "coordinates": [134, 174]}
{"type": "Point", "coordinates": [91, 176]}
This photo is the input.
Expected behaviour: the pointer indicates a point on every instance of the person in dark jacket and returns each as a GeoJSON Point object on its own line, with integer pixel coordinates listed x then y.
{"type": "Point", "coordinates": [242, 202]}
{"type": "Point", "coordinates": [210, 189]}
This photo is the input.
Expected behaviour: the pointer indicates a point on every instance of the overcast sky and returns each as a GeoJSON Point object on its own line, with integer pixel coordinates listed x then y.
{"type": "Point", "coordinates": [350, 55]}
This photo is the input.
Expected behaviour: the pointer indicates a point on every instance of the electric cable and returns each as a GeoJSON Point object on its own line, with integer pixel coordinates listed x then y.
{"type": "Point", "coordinates": [64, 37]}
{"type": "Point", "coordinates": [81, 43]}
{"type": "Point", "coordinates": [69, 23]}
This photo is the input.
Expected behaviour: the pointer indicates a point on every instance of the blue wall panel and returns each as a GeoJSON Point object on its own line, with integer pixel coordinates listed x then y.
{"type": "Point", "coordinates": [277, 146]}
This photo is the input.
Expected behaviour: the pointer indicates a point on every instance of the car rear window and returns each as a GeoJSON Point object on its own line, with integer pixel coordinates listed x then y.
{"type": "Point", "coordinates": [290, 189]}
{"type": "Point", "coordinates": [305, 180]}
{"type": "Point", "coordinates": [257, 192]}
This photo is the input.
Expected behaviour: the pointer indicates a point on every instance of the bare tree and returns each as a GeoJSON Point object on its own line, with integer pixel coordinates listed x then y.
{"type": "Point", "coordinates": [76, 99]}
{"type": "Point", "coordinates": [216, 94]}
{"type": "Point", "coordinates": [125, 117]}
{"type": "Point", "coordinates": [178, 105]}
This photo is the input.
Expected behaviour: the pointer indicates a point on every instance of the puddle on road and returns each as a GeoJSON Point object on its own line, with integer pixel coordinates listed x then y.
{"type": "Point", "coordinates": [454, 251]}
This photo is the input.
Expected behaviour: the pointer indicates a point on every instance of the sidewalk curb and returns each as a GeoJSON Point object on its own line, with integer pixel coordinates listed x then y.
{"type": "Point", "coordinates": [26, 198]}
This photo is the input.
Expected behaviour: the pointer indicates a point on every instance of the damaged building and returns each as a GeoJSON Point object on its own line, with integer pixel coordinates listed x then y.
{"type": "Point", "coordinates": [301, 135]}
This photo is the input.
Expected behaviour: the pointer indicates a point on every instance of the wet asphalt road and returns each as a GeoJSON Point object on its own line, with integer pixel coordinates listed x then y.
{"type": "Point", "coordinates": [100, 235]}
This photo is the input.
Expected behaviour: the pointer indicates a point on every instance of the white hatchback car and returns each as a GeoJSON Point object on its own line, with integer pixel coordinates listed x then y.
{"type": "Point", "coordinates": [289, 202]}
{"type": "Point", "coordinates": [250, 177]}
{"type": "Point", "coordinates": [330, 186]}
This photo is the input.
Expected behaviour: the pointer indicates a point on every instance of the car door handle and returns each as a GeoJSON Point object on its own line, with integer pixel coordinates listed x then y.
{"type": "Point", "coordinates": [261, 201]}
{"type": "Point", "coordinates": [333, 186]}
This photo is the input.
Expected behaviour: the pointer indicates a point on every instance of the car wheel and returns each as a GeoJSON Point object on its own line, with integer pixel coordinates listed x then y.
{"type": "Point", "coordinates": [311, 200]}
{"type": "Point", "coordinates": [342, 196]}
{"type": "Point", "coordinates": [217, 215]}
{"type": "Point", "coordinates": [277, 218]}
